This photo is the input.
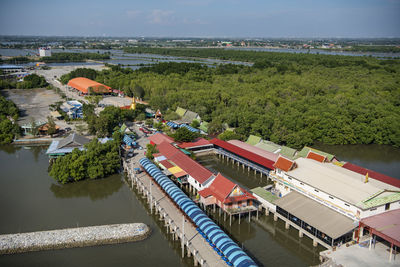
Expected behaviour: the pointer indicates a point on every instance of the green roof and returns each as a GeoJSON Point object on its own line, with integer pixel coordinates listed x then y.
{"type": "Point", "coordinates": [303, 153]}
{"type": "Point", "coordinates": [261, 192]}
{"type": "Point", "coordinates": [180, 111]}
{"type": "Point", "coordinates": [204, 126]}
{"type": "Point", "coordinates": [252, 140]}
{"type": "Point", "coordinates": [287, 152]}
{"type": "Point", "coordinates": [123, 128]}
{"type": "Point", "coordinates": [268, 146]}
{"type": "Point", "coordinates": [375, 200]}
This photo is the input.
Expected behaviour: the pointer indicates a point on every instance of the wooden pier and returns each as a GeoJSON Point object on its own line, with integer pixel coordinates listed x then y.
{"type": "Point", "coordinates": [175, 221]}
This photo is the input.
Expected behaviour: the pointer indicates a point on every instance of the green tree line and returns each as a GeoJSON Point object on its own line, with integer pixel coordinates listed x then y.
{"type": "Point", "coordinates": [8, 113]}
{"type": "Point", "coordinates": [96, 161]}
{"type": "Point", "coordinates": [289, 99]}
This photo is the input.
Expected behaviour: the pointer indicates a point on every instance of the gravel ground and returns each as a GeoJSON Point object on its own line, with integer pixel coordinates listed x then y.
{"type": "Point", "coordinates": [74, 237]}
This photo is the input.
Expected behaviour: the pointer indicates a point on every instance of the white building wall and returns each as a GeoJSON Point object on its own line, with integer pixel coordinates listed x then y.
{"type": "Point", "coordinates": [44, 52]}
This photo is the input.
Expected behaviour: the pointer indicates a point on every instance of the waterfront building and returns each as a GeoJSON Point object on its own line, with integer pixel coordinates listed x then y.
{"type": "Point", "coordinates": [86, 86]}
{"type": "Point", "coordinates": [263, 153]}
{"type": "Point", "coordinates": [349, 193]}
{"type": "Point", "coordinates": [305, 151]}
{"type": "Point", "coordinates": [228, 196]}
{"type": "Point", "coordinates": [6, 69]}
{"type": "Point", "coordinates": [185, 170]}
{"type": "Point", "coordinates": [198, 145]}
{"type": "Point", "coordinates": [385, 227]}
{"type": "Point", "coordinates": [67, 145]}
{"type": "Point", "coordinates": [44, 51]}
{"type": "Point", "coordinates": [242, 156]}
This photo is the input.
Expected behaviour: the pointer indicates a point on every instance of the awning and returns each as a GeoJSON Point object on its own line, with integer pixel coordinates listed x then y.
{"type": "Point", "coordinates": [177, 172]}
{"type": "Point", "coordinates": [317, 215]}
{"type": "Point", "coordinates": [160, 158]}
{"type": "Point", "coordinates": [166, 164]}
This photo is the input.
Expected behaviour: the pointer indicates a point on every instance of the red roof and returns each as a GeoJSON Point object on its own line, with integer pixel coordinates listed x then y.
{"type": "Point", "coordinates": [84, 84]}
{"type": "Point", "coordinates": [221, 188]}
{"type": "Point", "coordinates": [372, 174]}
{"type": "Point", "coordinates": [198, 142]}
{"type": "Point", "coordinates": [194, 169]}
{"type": "Point", "coordinates": [284, 164]}
{"type": "Point", "coordinates": [244, 153]}
{"type": "Point", "coordinates": [158, 138]}
{"type": "Point", "coordinates": [385, 225]}
{"type": "Point", "coordinates": [256, 150]}
{"type": "Point", "coordinates": [316, 156]}
{"type": "Point", "coordinates": [166, 164]}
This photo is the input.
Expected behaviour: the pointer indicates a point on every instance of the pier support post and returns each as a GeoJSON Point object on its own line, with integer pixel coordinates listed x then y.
{"type": "Point", "coordinates": [195, 263]}
{"type": "Point", "coordinates": [239, 218]}
{"type": "Point", "coordinates": [224, 216]}
{"type": "Point", "coordinates": [287, 225]}
{"type": "Point", "coordinates": [315, 243]}
{"type": "Point", "coordinates": [250, 215]}
{"type": "Point", "coordinates": [267, 212]}
{"type": "Point", "coordinates": [257, 214]}
{"type": "Point", "coordinates": [300, 233]}
{"type": "Point", "coordinates": [275, 218]}
{"type": "Point", "coordinates": [230, 219]}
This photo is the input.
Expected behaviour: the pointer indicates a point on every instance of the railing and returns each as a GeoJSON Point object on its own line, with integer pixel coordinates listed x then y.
{"type": "Point", "coordinates": [241, 160]}
{"type": "Point", "coordinates": [164, 215]}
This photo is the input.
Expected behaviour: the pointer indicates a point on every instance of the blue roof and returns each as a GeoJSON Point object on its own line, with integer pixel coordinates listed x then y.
{"type": "Point", "coordinates": [172, 124]}
{"type": "Point", "coordinates": [11, 67]}
{"type": "Point", "coordinates": [190, 128]}
{"type": "Point", "coordinates": [213, 232]}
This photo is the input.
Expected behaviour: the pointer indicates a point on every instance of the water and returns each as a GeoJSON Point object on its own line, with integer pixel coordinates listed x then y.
{"type": "Point", "coordinates": [268, 241]}
{"type": "Point", "coordinates": [30, 200]}
{"type": "Point", "coordinates": [380, 158]}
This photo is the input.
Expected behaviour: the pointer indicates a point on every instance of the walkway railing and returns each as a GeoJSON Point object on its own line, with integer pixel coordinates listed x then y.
{"type": "Point", "coordinates": [241, 160]}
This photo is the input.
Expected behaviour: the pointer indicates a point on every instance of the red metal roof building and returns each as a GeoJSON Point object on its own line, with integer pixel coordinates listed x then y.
{"type": "Point", "coordinates": [264, 162]}
{"type": "Point", "coordinates": [256, 150]}
{"type": "Point", "coordinates": [229, 196]}
{"type": "Point", "coordinates": [199, 143]}
{"type": "Point", "coordinates": [86, 85]}
{"type": "Point", "coordinates": [284, 164]}
{"type": "Point", "coordinates": [158, 138]}
{"type": "Point", "coordinates": [194, 169]}
{"type": "Point", "coordinates": [372, 174]}
{"type": "Point", "coordinates": [385, 225]}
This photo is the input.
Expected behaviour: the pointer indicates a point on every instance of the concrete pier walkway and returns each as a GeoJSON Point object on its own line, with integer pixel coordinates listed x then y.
{"type": "Point", "coordinates": [73, 237]}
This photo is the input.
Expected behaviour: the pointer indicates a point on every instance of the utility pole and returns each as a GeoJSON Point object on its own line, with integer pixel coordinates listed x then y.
{"type": "Point", "coordinates": [183, 236]}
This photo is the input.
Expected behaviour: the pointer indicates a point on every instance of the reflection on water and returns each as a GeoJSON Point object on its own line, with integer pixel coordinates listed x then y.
{"type": "Point", "coordinates": [263, 238]}
{"type": "Point", "coordinates": [94, 189]}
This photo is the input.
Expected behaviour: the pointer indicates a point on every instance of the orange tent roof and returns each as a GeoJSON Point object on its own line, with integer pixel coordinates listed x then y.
{"type": "Point", "coordinates": [84, 84]}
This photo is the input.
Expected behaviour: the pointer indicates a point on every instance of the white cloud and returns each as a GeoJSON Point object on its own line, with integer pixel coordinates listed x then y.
{"type": "Point", "coordinates": [133, 13]}
{"type": "Point", "coordinates": [158, 16]}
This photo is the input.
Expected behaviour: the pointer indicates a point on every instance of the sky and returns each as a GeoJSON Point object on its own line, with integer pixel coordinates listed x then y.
{"type": "Point", "coordinates": [202, 18]}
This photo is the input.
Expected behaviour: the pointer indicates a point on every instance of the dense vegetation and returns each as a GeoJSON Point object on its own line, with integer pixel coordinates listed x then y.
{"type": "Point", "coordinates": [8, 113]}
{"type": "Point", "coordinates": [292, 99]}
{"type": "Point", "coordinates": [74, 57]}
{"type": "Point", "coordinates": [29, 82]}
{"type": "Point", "coordinates": [104, 124]}
{"type": "Point", "coordinates": [80, 72]}
{"type": "Point", "coordinates": [97, 161]}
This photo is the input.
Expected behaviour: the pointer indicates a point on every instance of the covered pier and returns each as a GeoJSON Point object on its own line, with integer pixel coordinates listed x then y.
{"type": "Point", "coordinates": [248, 159]}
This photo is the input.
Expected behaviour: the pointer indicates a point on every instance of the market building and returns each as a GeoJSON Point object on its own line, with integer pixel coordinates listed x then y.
{"type": "Point", "coordinates": [86, 86]}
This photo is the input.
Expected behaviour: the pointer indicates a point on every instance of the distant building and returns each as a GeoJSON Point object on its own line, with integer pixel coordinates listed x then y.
{"type": "Point", "coordinates": [87, 86]}
{"type": "Point", "coordinates": [73, 109]}
{"type": "Point", "coordinates": [44, 51]}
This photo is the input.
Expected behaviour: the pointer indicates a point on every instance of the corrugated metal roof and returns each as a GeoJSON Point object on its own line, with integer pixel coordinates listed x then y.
{"type": "Point", "coordinates": [244, 153]}
{"type": "Point", "coordinates": [198, 142]}
{"type": "Point", "coordinates": [158, 138]}
{"type": "Point", "coordinates": [373, 174]}
{"type": "Point", "coordinates": [284, 164]}
{"type": "Point", "coordinates": [268, 146]}
{"type": "Point", "coordinates": [83, 84]}
{"type": "Point", "coordinates": [265, 154]}
{"type": "Point", "coordinates": [180, 111]}
{"type": "Point", "coordinates": [190, 166]}
{"type": "Point", "coordinates": [252, 140]}
{"type": "Point", "coordinates": [267, 195]}
{"type": "Point", "coordinates": [303, 153]}
{"type": "Point", "coordinates": [317, 215]}
{"type": "Point", "coordinates": [387, 223]}
{"type": "Point", "coordinates": [337, 181]}
{"type": "Point", "coordinates": [315, 156]}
